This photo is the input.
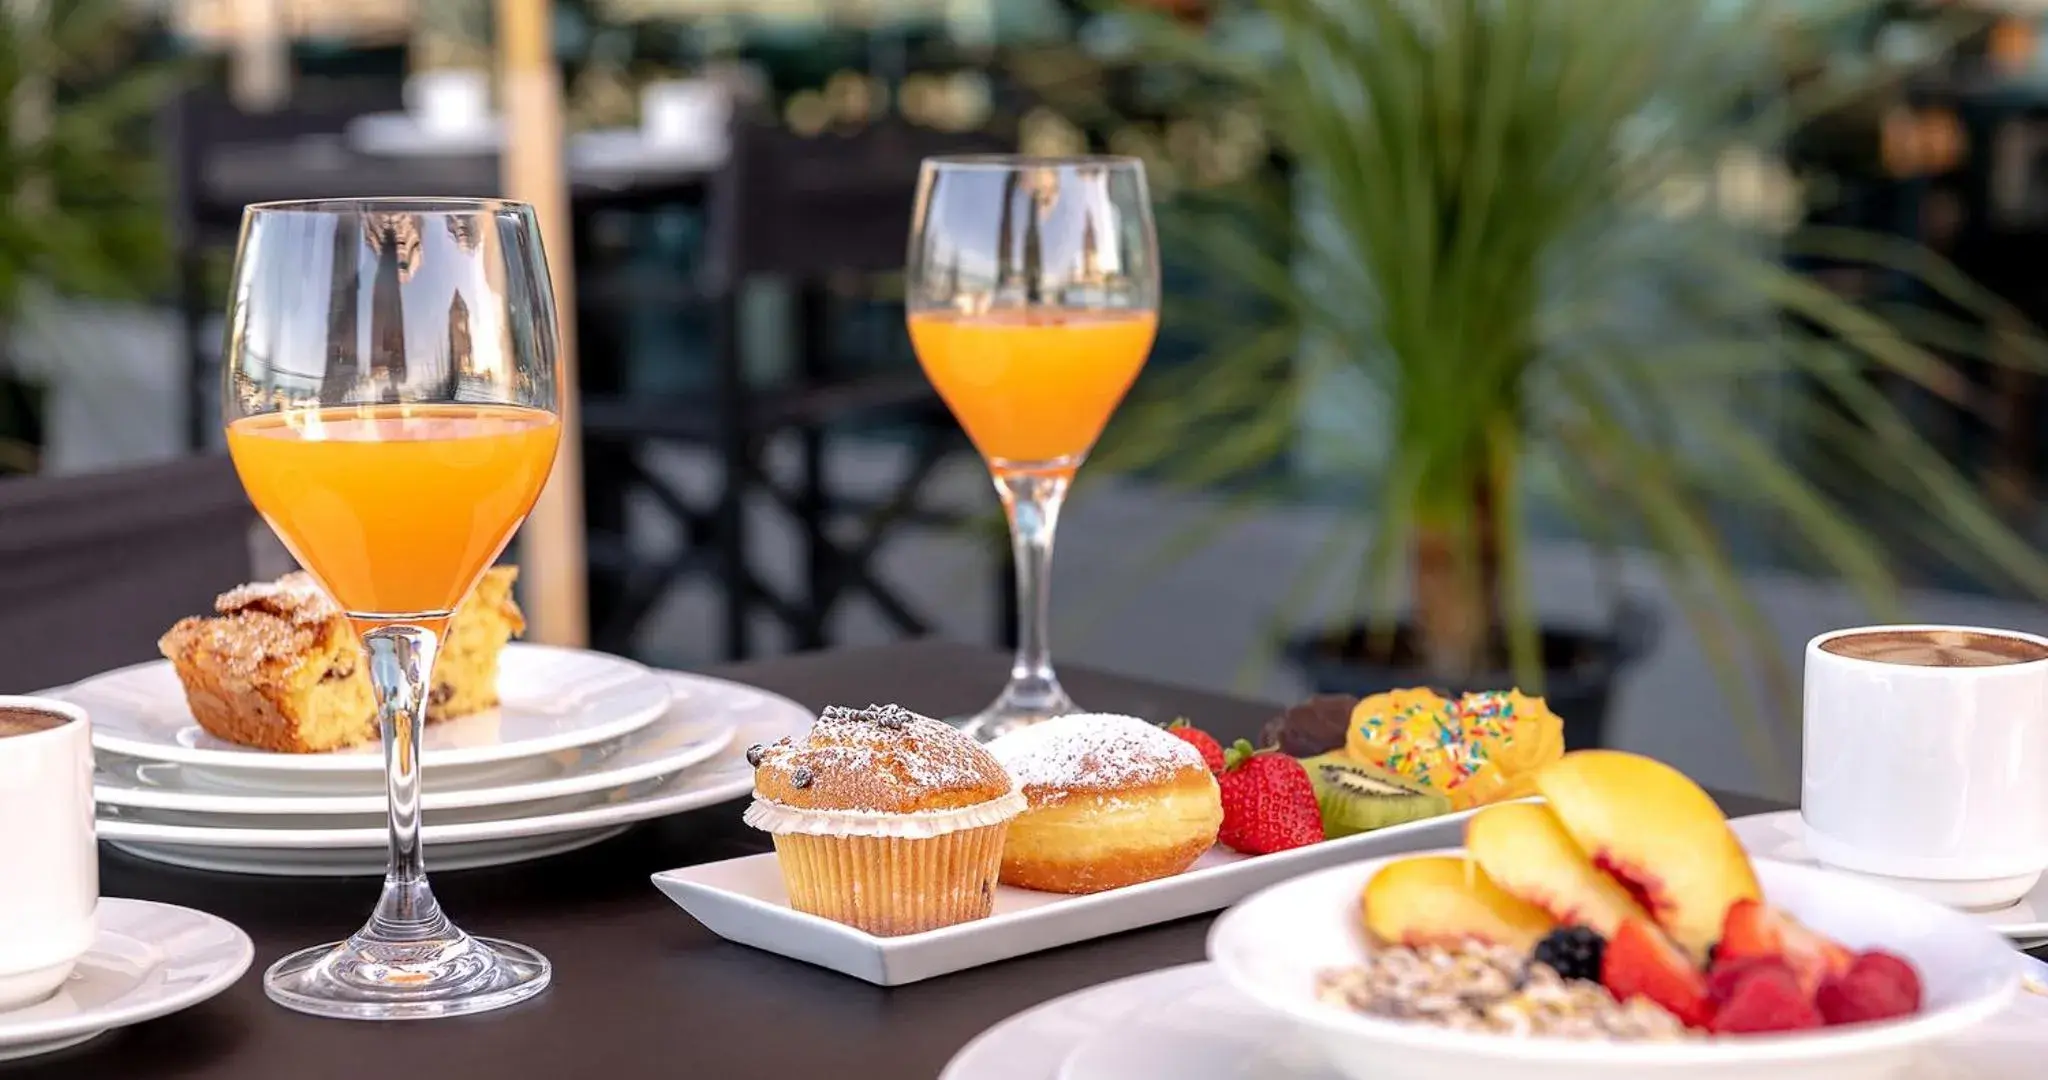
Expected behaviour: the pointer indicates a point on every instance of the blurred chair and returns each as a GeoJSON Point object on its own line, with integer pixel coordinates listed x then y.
{"type": "Point", "coordinates": [196, 126]}
{"type": "Point", "coordinates": [93, 568]}
{"type": "Point", "coordinates": [812, 213]}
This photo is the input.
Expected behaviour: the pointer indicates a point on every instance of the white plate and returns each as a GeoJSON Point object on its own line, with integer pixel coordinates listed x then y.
{"type": "Point", "coordinates": [1272, 946]}
{"type": "Point", "coordinates": [743, 900]}
{"type": "Point", "coordinates": [148, 960]}
{"type": "Point", "coordinates": [1206, 1031]}
{"type": "Point", "coordinates": [1033, 1044]}
{"type": "Point", "coordinates": [669, 745]}
{"type": "Point", "coordinates": [364, 862]}
{"type": "Point", "coordinates": [1779, 836]}
{"type": "Point", "coordinates": [551, 699]}
{"type": "Point", "coordinates": [1185, 1023]}
{"type": "Point", "coordinates": [281, 844]}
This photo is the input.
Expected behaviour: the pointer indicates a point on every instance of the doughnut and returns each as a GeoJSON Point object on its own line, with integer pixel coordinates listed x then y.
{"type": "Point", "coordinates": [1109, 801]}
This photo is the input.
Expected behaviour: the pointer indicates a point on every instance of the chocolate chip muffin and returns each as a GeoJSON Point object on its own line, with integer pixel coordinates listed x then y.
{"type": "Point", "coordinates": [885, 820]}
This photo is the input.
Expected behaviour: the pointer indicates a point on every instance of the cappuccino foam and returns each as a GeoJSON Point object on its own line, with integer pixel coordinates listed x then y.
{"type": "Point", "coordinates": [1936, 648]}
{"type": "Point", "coordinates": [19, 721]}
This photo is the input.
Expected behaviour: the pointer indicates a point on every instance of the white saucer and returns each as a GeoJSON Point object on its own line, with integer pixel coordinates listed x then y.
{"type": "Point", "coordinates": [552, 699]}
{"type": "Point", "coordinates": [667, 746]}
{"type": "Point", "coordinates": [1185, 1023]}
{"type": "Point", "coordinates": [284, 844]}
{"type": "Point", "coordinates": [148, 960]}
{"type": "Point", "coordinates": [1779, 836]}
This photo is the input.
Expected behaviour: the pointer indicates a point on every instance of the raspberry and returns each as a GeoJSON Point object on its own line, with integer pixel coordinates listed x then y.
{"type": "Point", "coordinates": [1723, 976]}
{"type": "Point", "coordinates": [1878, 986]}
{"type": "Point", "coordinates": [1765, 997]}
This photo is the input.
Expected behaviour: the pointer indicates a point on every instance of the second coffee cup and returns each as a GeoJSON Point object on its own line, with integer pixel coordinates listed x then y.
{"type": "Point", "coordinates": [1925, 753]}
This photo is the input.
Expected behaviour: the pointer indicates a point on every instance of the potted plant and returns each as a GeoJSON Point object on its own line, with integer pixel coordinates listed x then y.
{"type": "Point", "coordinates": [1535, 249]}
{"type": "Point", "coordinates": [79, 208]}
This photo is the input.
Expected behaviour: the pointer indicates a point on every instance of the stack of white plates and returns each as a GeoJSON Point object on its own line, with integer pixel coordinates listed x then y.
{"type": "Point", "coordinates": [582, 745]}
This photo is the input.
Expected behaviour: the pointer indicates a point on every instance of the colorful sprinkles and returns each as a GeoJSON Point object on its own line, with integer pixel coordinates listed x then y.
{"type": "Point", "coordinates": [1427, 733]}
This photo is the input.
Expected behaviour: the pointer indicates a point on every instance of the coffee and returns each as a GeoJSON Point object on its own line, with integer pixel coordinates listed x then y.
{"type": "Point", "coordinates": [16, 721]}
{"type": "Point", "coordinates": [1936, 648]}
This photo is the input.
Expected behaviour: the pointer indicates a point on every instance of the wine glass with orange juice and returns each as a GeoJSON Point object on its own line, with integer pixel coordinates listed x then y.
{"type": "Point", "coordinates": [391, 372]}
{"type": "Point", "coordinates": [1033, 298]}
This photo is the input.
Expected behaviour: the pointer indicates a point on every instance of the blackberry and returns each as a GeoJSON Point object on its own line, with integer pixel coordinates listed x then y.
{"type": "Point", "coordinates": [1574, 952]}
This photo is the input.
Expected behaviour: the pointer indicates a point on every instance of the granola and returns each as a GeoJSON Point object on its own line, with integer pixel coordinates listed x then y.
{"type": "Point", "coordinates": [1494, 989]}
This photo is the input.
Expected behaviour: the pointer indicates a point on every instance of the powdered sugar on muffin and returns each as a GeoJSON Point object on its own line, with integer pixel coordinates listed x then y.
{"type": "Point", "coordinates": [881, 759]}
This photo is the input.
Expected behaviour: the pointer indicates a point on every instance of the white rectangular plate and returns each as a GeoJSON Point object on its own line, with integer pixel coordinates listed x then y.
{"type": "Point", "coordinates": [743, 900]}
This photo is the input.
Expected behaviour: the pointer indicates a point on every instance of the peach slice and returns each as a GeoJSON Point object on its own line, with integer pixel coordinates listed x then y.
{"type": "Point", "coordinates": [1526, 851]}
{"type": "Point", "coordinates": [1658, 834]}
{"type": "Point", "coordinates": [1445, 899]}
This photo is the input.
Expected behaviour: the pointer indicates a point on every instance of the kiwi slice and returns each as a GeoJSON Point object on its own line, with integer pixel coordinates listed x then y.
{"type": "Point", "coordinates": [1356, 797]}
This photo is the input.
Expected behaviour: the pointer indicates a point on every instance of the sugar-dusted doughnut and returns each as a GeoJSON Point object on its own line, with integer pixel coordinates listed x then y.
{"type": "Point", "coordinates": [1112, 801]}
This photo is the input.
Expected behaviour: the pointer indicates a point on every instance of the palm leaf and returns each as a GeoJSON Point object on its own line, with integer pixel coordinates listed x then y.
{"type": "Point", "coordinates": [1478, 224]}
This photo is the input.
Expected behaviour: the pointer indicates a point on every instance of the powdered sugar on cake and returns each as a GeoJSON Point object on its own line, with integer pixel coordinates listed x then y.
{"type": "Point", "coordinates": [295, 596]}
{"type": "Point", "coordinates": [283, 624]}
{"type": "Point", "coordinates": [1092, 752]}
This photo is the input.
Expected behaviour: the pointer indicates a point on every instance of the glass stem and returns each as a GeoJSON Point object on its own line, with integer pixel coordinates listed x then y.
{"type": "Point", "coordinates": [1032, 499]}
{"type": "Point", "coordinates": [401, 664]}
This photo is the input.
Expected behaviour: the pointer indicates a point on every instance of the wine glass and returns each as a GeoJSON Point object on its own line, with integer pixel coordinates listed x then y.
{"type": "Point", "coordinates": [389, 398]}
{"type": "Point", "coordinates": [1033, 298]}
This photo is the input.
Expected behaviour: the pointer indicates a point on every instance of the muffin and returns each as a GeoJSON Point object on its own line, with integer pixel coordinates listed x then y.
{"type": "Point", "coordinates": [1475, 749]}
{"type": "Point", "coordinates": [1111, 801]}
{"type": "Point", "coordinates": [884, 820]}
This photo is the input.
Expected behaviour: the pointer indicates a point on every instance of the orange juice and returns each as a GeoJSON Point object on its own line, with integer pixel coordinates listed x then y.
{"type": "Point", "coordinates": [1032, 385]}
{"type": "Point", "coordinates": [397, 509]}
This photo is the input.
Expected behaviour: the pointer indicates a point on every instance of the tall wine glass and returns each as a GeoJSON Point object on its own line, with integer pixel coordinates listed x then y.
{"type": "Point", "coordinates": [1033, 300]}
{"type": "Point", "coordinates": [389, 398]}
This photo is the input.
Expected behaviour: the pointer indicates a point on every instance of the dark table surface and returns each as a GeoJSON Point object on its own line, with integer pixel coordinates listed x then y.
{"type": "Point", "coordinates": [640, 988]}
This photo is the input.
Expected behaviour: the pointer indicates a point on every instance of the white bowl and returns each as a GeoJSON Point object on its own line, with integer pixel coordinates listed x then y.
{"type": "Point", "coordinates": [1272, 945]}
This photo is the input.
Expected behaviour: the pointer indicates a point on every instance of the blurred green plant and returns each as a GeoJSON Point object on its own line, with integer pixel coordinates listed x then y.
{"type": "Point", "coordinates": [452, 35]}
{"type": "Point", "coordinates": [80, 195]}
{"type": "Point", "coordinates": [1545, 236]}
{"type": "Point", "coordinates": [82, 211]}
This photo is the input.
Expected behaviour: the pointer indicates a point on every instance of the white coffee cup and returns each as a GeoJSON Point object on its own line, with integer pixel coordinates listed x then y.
{"type": "Point", "coordinates": [49, 864]}
{"type": "Point", "coordinates": [1934, 779]}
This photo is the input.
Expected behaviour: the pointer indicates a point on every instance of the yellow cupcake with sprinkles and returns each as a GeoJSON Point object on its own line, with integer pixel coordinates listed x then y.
{"type": "Point", "coordinates": [1476, 749]}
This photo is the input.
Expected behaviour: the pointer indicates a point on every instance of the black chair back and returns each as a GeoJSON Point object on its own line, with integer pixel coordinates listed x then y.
{"type": "Point", "coordinates": [94, 568]}
{"type": "Point", "coordinates": [816, 206]}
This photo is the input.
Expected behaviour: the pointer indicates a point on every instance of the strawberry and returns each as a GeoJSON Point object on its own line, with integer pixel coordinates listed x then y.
{"type": "Point", "coordinates": [1268, 803]}
{"type": "Point", "coordinates": [1211, 750]}
{"type": "Point", "coordinates": [1765, 997]}
{"type": "Point", "coordinates": [1641, 961]}
{"type": "Point", "coordinates": [1877, 986]}
{"type": "Point", "coordinates": [1754, 930]}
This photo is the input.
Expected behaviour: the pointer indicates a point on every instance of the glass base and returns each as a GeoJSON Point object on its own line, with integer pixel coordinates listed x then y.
{"type": "Point", "coordinates": [1020, 705]}
{"type": "Point", "coordinates": [367, 979]}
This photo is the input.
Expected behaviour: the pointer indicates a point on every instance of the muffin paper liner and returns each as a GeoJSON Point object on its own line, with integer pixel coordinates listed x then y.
{"type": "Point", "coordinates": [890, 886]}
